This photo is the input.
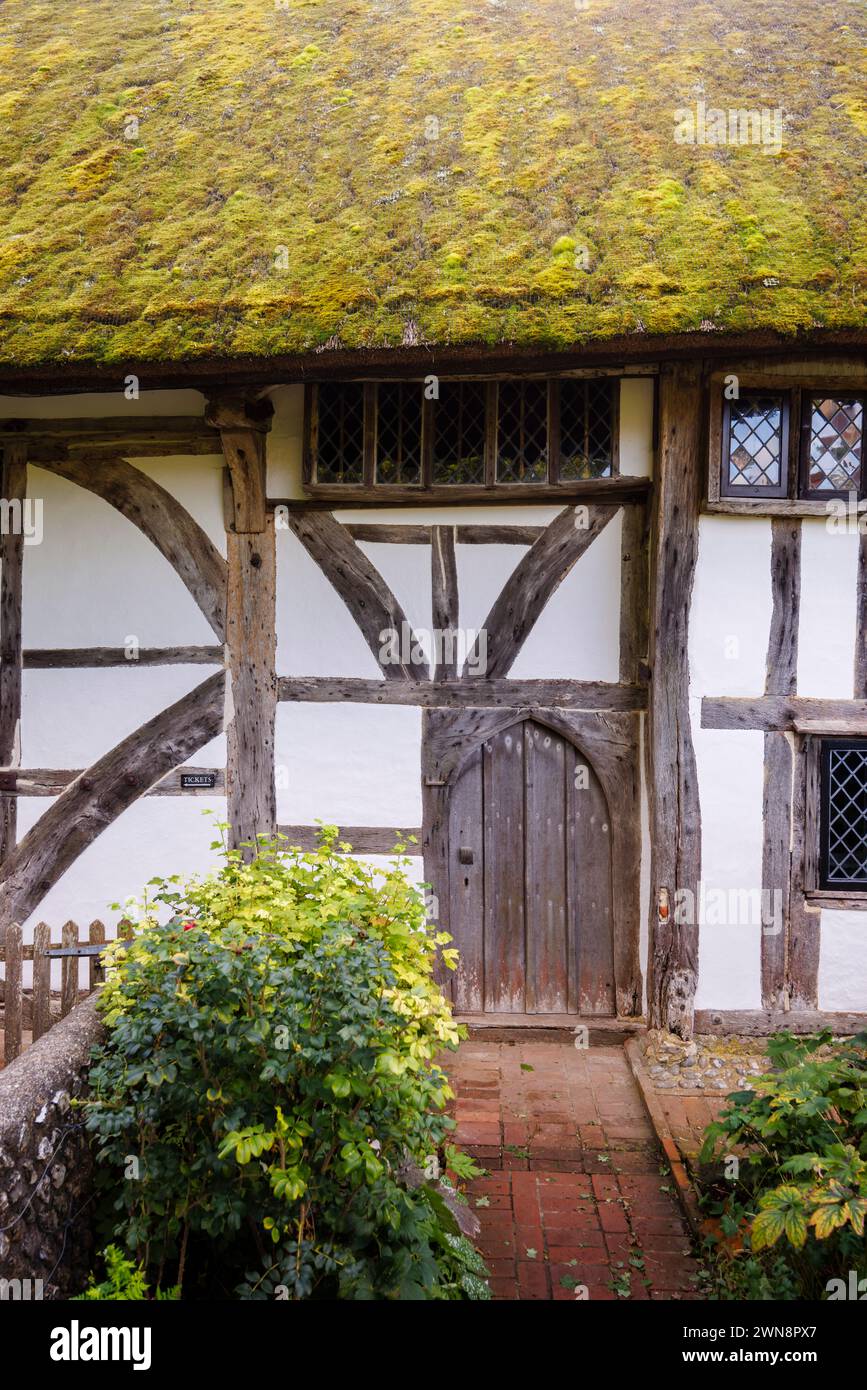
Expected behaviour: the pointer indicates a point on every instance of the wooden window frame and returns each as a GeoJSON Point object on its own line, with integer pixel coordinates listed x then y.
{"type": "Point", "coordinates": [779, 490]}
{"type": "Point", "coordinates": [797, 499]}
{"type": "Point", "coordinates": [369, 489]}
{"type": "Point", "coordinates": [803, 396]}
{"type": "Point", "coordinates": [840, 896]}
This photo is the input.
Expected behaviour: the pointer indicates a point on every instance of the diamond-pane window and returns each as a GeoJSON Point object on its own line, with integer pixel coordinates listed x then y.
{"type": "Point", "coordinates": [586, 429]}
{"type": "Point", "coordinates": [836, 432]}
{"type": "Point", "coordinates": [459, 433]}
{"type": "Point", "coordinates": [522, 432]}
{"type": "Point", "coordinates": [398, 432]}
{"type": "Point", "coordinates": [340, 433]}
{"type": "Point", "coordinates": [756, 455]}
{"type": "Point", "coordinates": [844, 814]}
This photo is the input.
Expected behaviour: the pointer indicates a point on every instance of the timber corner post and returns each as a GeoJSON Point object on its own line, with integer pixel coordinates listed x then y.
{"type": "Point", "coordinates": [251, 678]}
{"type": "Point", "coordinates": [675, 815]}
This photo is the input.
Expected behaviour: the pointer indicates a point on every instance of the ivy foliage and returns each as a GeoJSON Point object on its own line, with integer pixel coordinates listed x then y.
{"type": "Point", "coordinates": [793, 1219]}
{"type": "Point", "coordinates": [269, 1078]}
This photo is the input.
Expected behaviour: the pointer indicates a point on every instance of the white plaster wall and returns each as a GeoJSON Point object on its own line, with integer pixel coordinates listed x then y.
{"type": "Point", "coordinates": [730, 616]}
{"type": "Point", "coordinates": [636, 426]}
{"type": "Point", "coordinates": [157, 835]}
{"type": "Point", "coordinates": [826, 633]}
{"type": "Point", "coordinates": [730, 774]}
{"type": "Point", "coordinates": [349, 764]}
{"type": "Point", "coordinates": [285, 442]}
{"type": "Point", "coordinates": [96, 579]}
{"type": "Point", "coordinates": [843, 961]}
{"type": "Point", "coordinates": [406, 569]}
{"type": "Point", "coordinates": [316, 635]}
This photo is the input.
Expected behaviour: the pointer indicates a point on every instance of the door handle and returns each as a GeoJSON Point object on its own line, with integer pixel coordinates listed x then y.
{"type": "Point", "coordinates": [465, 855]}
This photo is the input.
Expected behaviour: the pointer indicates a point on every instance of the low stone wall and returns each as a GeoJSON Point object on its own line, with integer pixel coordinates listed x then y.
{"type": "Point", "coordinates": [46, 1166]}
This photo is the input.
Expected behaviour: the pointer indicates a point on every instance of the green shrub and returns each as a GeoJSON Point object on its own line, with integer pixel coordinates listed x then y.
{"type": "Point", "coordinates": [794, 1218]}
{"type": "Point", "coordinates": [124, 1282]}
{"type": "Point", "coordinates": [269, 1079]}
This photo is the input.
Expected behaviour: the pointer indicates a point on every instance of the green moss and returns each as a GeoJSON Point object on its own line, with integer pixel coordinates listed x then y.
{"type": "Point", "coordinates": [262, 128]}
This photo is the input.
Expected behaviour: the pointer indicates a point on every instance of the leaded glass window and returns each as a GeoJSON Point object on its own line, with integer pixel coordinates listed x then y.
{"type": "Point", "coordinates": [834, 430]}
{"type": "Point", "coordinates": [459, 433]}
{"type": "Point", "coordinates": [398, 432]}
{"type": "Point", "coordinates": [522, 432]}
{"type": "Point", "coordinates": [754, 459]}
{"type": "Point", "coordinates": [843, 859]}
{"type": "Point", "coordinates": [339, 433]}
{"type": "Point", "coordinates": [586, 429]}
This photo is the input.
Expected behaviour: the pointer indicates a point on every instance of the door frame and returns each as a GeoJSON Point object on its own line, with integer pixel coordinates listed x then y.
{"type": "Point", "coordinates": [610, 743]}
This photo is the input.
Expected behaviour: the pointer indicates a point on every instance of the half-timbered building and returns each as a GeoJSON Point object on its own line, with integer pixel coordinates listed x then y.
{"type": "Point", "coordinates": [431, 419]}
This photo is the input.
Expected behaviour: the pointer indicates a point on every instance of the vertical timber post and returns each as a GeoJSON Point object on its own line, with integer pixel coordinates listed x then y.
{"type": "Point", "coordinates": [14, 486]}
{"type": "Point", "coordinates": [675, 816]}
{"type": "Point", "coordinates": [251, 680]}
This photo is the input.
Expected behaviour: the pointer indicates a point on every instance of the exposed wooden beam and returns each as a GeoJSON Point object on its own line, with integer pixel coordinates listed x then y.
{"type": "Point", "coordinates": [14, 484]}
{"type": "Point", "coordinates": [364, 839]}
{"type": "Point", "coordinates": [251, 645]}
{"type": "Point", "coordinates": [782, 910]}
{"type": "Point", "coordinates": [777, 713]}
{"type": "Point", "coordinates": [51, 658]}
{"type": "Point", "coordinates": [379, 498]}
{"type": "Point", "coordinates": [535, 578]}
{"type": "Point", "coordinates": [98, 796]}
{"type": "Point", "coordinates": [243, 424]}
{"type": "Point", "coordinates": [761, 1022]}
{"type": "Point", "coordinates": [675, 814]}
{"type": "Point", "coordinates": [383, 533]}
{"type": "Point", "coordinates": [633, 593]}
{"type": "Point", "coordinates": [51, 781]}
{"type": "Point", "coordinates": [180, 539]}
{"type": "Point", "coordinates": [373, 606]}
{"type": "Point", "coordinates": [444, 600]}
{"type": "Point", "coordinates": [460, 694]}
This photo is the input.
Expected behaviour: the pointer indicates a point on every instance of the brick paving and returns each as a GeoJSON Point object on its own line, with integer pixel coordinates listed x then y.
{"type": "Point", "coordinates": [574, 1197]}
{"type": "Point", "coordinates": [688, 1116]}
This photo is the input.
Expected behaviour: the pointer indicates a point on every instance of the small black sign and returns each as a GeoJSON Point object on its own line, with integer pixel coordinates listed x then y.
{"type": "Point", "coordinates": [190, 780]}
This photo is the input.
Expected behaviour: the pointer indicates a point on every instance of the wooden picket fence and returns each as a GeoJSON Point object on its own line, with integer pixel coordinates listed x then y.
{"type": "Point", "coordinates": [33, 1009]}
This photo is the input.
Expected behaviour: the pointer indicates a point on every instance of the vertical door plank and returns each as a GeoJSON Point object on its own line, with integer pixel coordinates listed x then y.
{"type": "Point", "coordinates": [41, 980]}
{"type": "Point", "coordinates": [590, 891]}
{"type": "Point", "coordinates": [505, 951]}
{"type": "Point", "coordinates": [545, 773]}
{"type": "Point", "coordinates": [467, 886]}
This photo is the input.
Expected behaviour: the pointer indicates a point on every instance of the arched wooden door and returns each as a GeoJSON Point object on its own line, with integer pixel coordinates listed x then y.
{"type": "Point", "coordinates": [530, 879]}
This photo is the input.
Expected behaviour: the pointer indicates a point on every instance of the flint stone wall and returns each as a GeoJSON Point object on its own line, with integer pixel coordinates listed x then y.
{"type": "Point", "coordinates": [46, 1164]}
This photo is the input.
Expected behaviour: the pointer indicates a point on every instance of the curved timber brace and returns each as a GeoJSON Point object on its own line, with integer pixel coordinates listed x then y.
{"type": "Point", "coordinates": [251, 678]}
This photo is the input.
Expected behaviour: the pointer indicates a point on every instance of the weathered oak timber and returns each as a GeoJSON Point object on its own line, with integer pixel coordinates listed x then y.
{"type": "Point", "coordinates": [98, 796]}
{"type": "Point", "coordinates": [761, 1022]}
{"type": "Point", "coordinates": [243, 425]}
{"type": "Point", "coordinates": [51, 781]}
{"type": "Point", "coordinates": [675, 815]}
{"type": "Point", "coordinates": [190, 552]}
{"type": "Point", "coordinates": [250, 645]}
{"type": "Point", "coordinates": [362, 588]}
{"type": "Point", "coordinates": [860, 672]}
{"type": "Point", "coordinates": [51, 658]}
{"type": "Point", "coordinates": [364, 839]}
{"type": "Point", "coordinates": [460, 694]}
{"type": "Point", "coordinates": [444, 599]}
{"type": "Point", "coordinates": [339, 496]}
{"type": "Point", "coordinates": [381, 533]}
{"type": "Point", "coordinates": [633, 593]}
{"type": "Point", "coordinates": [535, 578]}
{"type": "Point", "coordinates": [781, 679]}
{"type": "Point", "coordinates": [777, 713]}
{"type": "Point", "coordinates": [14, 483]}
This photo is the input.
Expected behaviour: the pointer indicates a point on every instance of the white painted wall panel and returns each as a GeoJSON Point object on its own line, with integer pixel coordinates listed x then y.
{"type": "Point", "coordinates": [730, 775]}
{"type": "Point", "coordinates": [349, 764]}
{"type": "Point", "coordinates": [316, 636]}
{"type": "Point", "coordinates": [196, 480]}
{"type": "Point", "coordinates": [577, 636]}
{"type": "Point", "coordinates": [730, 615]}
{"type": "Point", "coordinates": [406, 569]}
{"type": "Point", "coordinates": [71, 717]}
{"type": "Point", "coordinates": [843, 961]}
{"type": "Point", "coordinates": [95, 579]}
{"type": "Point", "coordinates": [636, 427]}
{"type": "Point", "coordinates": [826, 635]}
{"type": "Point", "coordinates": [482, 572]}
{"type": "Point", "coordinates": [156, 836]}
{"type": "Point", "coordinates": [285, 442]}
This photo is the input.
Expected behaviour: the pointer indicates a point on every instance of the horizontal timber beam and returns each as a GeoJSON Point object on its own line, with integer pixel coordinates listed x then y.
{"type": "Point", "coordinates": [778, 713]}
{"type": "Point", "coordinates": [51, 781]}
{"type": "Point", "coordinates": [460, 694]}
{"type": "Point", "coordinates": [760, 1022]}
{"type": "Point", "coordinates": [50, 658]}
{"type": "Point", "coordinates": [339, 497]}
{"type": "Point", "coordinates": [381, 533]}
{"type": "Point", "coordinates": [364, 839]}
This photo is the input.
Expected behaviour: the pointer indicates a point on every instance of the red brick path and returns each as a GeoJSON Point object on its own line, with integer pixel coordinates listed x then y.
{"type": "Point", "coordinates": [574, 1195]}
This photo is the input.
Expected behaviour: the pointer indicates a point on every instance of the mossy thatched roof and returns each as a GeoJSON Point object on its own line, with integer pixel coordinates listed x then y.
{"type": "Point", "coordinates": [371, 173]}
